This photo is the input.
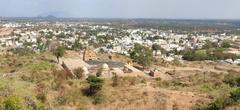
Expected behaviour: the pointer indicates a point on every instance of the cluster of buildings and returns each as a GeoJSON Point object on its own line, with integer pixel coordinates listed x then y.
{"type": "Point", "coordinates": [103, 37]}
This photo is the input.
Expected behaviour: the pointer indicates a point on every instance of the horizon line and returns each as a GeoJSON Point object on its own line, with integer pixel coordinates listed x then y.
{"type": "Point", "coordinates": [123, 18]}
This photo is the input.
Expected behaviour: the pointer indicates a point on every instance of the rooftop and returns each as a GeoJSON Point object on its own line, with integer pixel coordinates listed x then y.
{"type": "Point", "coordinates": [111, 64]}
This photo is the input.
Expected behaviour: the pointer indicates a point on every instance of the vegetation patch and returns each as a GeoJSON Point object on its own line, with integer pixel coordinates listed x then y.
{"type": "Point", "coordinates": [43, 65]}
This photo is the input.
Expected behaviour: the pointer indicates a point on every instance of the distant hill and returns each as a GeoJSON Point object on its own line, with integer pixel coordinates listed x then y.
{"type": "Point", "coordinates": [48, 17]}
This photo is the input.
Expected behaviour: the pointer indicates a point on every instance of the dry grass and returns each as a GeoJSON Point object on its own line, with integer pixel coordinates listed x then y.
{"type": "Point", "coordinates": [189, 86]}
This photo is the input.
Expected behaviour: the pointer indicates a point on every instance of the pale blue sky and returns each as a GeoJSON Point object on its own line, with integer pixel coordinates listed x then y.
{"type": "Point", "coordinates": [187, 9]}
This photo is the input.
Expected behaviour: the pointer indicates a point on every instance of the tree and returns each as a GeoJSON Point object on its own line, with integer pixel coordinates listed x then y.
{"type": "Point", "coordinates": [59, 52]}
{"type": "Point", "coordinates": [209, 45]}
{"type": "Point", "coordinates": [156, 47]}
{"type": "Point", "coordinates": [95, 85]}
{"type": "Point", "coordinates": [188, 54]}
{"type": "Point", "coordinates": [142, 55]}
{"type": "Point", "coordinates": [200, 55]}
{"type": "Point", "coordinates": [77, 45]}
{"type": "Point", "coordinates": [61, 35]}
{"type": "Point", "coordinates": [225, 44]}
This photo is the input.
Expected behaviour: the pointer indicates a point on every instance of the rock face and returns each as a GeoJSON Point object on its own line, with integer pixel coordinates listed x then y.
{"type": "Point", "coordinates": [89, 54]}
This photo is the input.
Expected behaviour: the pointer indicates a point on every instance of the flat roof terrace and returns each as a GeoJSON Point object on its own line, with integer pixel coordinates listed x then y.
{"type": "Point", "coordinates": [111, 64]}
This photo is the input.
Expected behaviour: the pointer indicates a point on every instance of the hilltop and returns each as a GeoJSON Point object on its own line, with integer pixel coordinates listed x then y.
{"type": "Point", "coordinates": [36, 81]}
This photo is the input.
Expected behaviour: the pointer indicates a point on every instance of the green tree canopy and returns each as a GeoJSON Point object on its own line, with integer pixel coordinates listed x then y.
{"type": "Point", "coordinates": [188, 54]}
{"type": "Point", "coordinates": [59, 52]}
{"type": "Point", "coordinates": [209, 45]}
{"type": "Point", "coordinates": [156, 47]}
{"type": "Point", "coordinates": [225, 44]}
{"type": "Point", "coordinates": [142, 55]}
{"type": "Point", "coordinates": [200, 55]}
{"type": "Point", "coordinates": [77, 45]}
{"type": "Point", "coordinates": [95, 85]}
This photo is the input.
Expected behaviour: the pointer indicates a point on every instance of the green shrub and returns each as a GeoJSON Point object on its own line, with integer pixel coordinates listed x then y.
{"type": "Point", "coordinates": [223, 101]}
{"type": "Point", "coordinates": [39, 66]}
{"type": "Point", "coordinates": [95, 85]}
{"type": "Point", "coordinates": [79, 73]}
{"type": "Point", "coordinates": [94, 89]}
{"type": "Point", "coordinates": [158, 79]}
{"type": "Point", "coordinates": [206, 54]}
{"type": "Point", "coordinates": [163, 84]}
{"type": "Point", "coordinates": [98, 99]}
{"type": "Point", "coordinates": [80, 108]}
{"type": "Point", "coordinates": [200, 55]}
{"type": "Point", "coordinates": [235, 95]}
{"type": "Point", "coordinates": [232, 79]}
{"type": "Point", "coordinates": [12, 103]}
{"type": "Point", "coordinates": [27, 78]}
{"type": "Point", "coordinates": [23, 51]}
{"type": "Point", "coordinates": [226, 44]}
{"type": "Point", "coordinates": [62, 100]}
{"type": "Point", "coordinates": [216, 105]}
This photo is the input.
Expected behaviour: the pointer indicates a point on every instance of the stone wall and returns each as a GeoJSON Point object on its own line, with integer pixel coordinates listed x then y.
{"type": "Point", "coordinates": [89, 54]}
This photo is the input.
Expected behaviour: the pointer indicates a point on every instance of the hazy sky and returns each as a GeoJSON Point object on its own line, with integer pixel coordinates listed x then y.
{"type": "Point", "coordinates": [187, 9]}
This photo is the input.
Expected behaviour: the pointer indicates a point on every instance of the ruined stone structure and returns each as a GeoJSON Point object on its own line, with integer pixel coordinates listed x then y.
{"type": "Point", "coordinates": [89, 54]}
{"type": "Point", "coordinates": [127, 70]}
{"type": "Point", "coordinates": [105, 71]}
{"type": "Point", "coordinates": [153, 72]}
{"type": "Point", "coordinates": [70, 64]}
